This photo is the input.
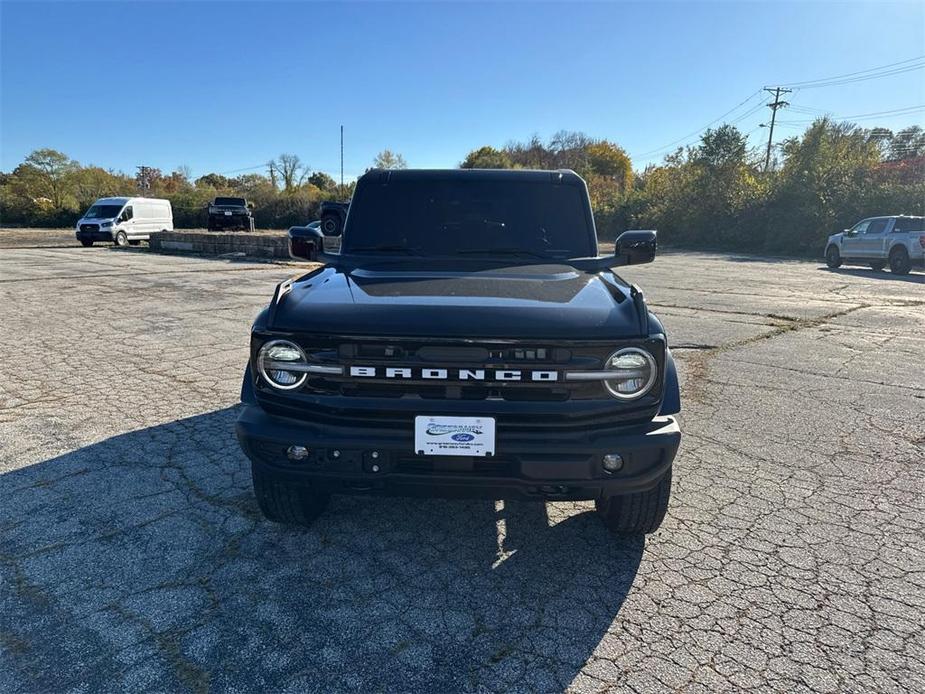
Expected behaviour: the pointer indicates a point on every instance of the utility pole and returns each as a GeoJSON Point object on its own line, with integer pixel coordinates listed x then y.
{"type": "Point", "coordinates": [774, 105]}
{"type": "Point", "coordinates": [143, 177]}
{"type": "Point", "coordinates": [271, 170]}
{"type": "Point", "coordinates": [342, 156]}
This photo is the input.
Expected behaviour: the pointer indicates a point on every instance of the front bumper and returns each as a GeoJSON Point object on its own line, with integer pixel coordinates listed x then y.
{"type": "Point", "coordinates": [349, 461]}
{"type": "Point", "coordinates": [96, 235]}
{"type": "Point", "coordinates": [234, 221]}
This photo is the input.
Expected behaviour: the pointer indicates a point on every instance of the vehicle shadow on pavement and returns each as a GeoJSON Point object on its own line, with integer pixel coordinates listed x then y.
{"type": "Point", "coordinates": [141, 562]}
{"type": "Point", "coordinates": [876, 275]}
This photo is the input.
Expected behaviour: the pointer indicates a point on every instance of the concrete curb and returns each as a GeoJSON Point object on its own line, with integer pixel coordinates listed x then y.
{"type": "Point", "coordinates": [250, 245]}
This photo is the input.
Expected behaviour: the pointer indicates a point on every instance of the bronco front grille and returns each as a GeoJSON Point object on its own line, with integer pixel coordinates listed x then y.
{"type": "Point", "coordinates": [432, 370]}
{"type": "Point", "coordinates": [490, 358]}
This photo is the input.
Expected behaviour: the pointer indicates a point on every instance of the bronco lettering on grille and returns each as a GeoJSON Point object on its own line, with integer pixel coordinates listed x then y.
{"type": "Point", "coordinates": [454, 374]}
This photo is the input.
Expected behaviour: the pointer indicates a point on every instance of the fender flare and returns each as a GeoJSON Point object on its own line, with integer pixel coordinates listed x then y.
{"type": "Point", "coordinates": [247, 386]}
{"type": "Point", "coordinates": [671, 399]}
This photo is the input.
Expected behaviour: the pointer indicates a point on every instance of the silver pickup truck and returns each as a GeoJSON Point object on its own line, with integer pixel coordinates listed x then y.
{"type": "Point", "coordinates": [897, 241]}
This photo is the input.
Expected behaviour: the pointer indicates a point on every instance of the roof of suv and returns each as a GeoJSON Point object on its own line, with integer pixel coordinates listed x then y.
{"type": "Point", "coordinates": [532, 175]}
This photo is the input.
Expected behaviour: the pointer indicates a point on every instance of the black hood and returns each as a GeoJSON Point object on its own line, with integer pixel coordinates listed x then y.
{"type": "Point", "coordinates": [514, 302]}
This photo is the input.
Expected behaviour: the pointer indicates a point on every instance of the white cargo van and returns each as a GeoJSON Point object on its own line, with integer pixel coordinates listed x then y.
{"type": "Point", "coordinates": [124, 221]}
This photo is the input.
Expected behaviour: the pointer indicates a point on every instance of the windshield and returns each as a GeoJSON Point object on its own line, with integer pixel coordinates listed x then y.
{"type": "Point", "coordinates": [103, 212]}
{"type": "Point", "coordinates": [441, 217]}
{"type": "Point", "coordinates": [237, 202]}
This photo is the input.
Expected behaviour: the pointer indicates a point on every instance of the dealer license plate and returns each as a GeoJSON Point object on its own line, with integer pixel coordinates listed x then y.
{"type": "Point", "coordinates": [454, 436]}
{"type": "Point", "coordinates": [227, 213]}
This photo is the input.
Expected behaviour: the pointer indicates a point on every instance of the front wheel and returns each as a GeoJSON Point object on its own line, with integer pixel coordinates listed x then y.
{"type": "Point", "coordinates": [833, 257]}
{"type": "Point", "coordinates": [282, 502]}
{"type": "Point", "coordinates": [121, 239]}
{"type": "Point", "coordinates": [86, 243]}
{"type": "Point", "coordinates": [635, 514]}
{"type": "Point", "coordinates": [899, 261]}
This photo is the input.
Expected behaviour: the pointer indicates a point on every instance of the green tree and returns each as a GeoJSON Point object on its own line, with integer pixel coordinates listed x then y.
{"type": "Point", "coordinates": [92, 182]}
{"type": "Point", "coordinates": [607, 159]}
{"type": "Point", "coordinates": [322, 181]}
{"type": "Point", "coordinates": [908, 143]}
{"type": "Point", "coordinates": [213, 180]}
{"type": "Point", "coordinates": [704, 195]}
{"type": "Point", "coordinates": [387, 159]}
{"type": "Point", "coordinates": [822, 185]}
{"type": "Point", "coordinates": [487, 158]}
{"type": "Point", "coordinates": [49, 170]}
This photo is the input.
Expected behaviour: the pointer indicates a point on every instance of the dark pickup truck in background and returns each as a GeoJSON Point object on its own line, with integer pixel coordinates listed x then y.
{"type": "Point", "coordinates": [466, 341]}
{"type": "Point", "coordinates": [230, 213]}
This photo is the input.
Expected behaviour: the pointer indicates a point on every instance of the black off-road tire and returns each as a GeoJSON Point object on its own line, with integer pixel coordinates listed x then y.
{"type": "Point", "coordinates": [121, 239]}
{"type": "Point", "coordinates": [283, 502]}
{"type": "Point", "coordinates": [833, 257]}
{"type": "Point", "coordinates": [899, 261]}
{"type": "Point", "coordinates": [636, 514]}
{"type": "Point", "coordinates": [85, 243]}
{"type": "Point", "coordinates": [877, 265]}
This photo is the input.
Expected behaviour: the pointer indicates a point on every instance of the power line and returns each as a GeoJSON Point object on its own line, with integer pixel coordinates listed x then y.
{"type": "Point", "coordinates": [863, 79]}
{"type": "Point", "coordinates": [246, 168]}
{"type": "Point", "coordinates": [808, 110]}
{"type": "Point", "coordinates": [748, 113]}
{"type": "Point", "coordinates": [700, 130]}
{"type": "Point", "coordinates": [902, 66]}
{"type": "Point", "coordinates": [907, 111]}
{"type": "Point", "coordinates": [803, 84]}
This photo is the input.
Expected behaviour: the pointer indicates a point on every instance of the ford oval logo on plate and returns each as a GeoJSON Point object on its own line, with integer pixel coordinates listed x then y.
{"type": "Point", "coordinates": [468, 436]}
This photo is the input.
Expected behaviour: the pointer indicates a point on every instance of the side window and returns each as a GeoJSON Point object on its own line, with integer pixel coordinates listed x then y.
{"type": "Point", "coordinates": [860, 227]}
{"type": "Point", "coordinates": [127, 213]}
{"type": "Point", "coordinates": [906, 224]}
{"type": "Point", "coordinates": [877, 226]}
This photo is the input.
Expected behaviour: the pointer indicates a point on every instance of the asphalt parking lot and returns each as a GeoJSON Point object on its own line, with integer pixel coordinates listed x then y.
{"type": "Point", "coordinates": [133, 556]}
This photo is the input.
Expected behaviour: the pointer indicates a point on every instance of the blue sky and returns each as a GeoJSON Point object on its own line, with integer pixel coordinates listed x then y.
{"type": "Point", "coordinates": [224, 86]}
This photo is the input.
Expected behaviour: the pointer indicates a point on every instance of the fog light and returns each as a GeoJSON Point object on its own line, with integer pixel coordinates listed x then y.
{"type": "Point", "coordinates": [297, 452]}
{"type": "Point", "coordinates": [613, 462]}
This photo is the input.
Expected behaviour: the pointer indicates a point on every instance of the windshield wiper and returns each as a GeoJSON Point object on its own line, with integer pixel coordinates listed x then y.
{"type": "Point", "coordinates": [503, 251]}
{"type": "Point", "coordinates": [384, 248]}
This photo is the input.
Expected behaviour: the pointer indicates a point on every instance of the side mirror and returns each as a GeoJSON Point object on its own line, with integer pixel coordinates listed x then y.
{"type": "Point", "coordinates": [250, 205]}
{"type": "Point", "coordinates": [635, 247]}
{"type": "Point", "coordinates": [306, 244]}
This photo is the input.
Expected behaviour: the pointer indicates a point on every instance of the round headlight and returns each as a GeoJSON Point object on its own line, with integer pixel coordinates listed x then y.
{"type": "Point", "coordinates": [634, 373]}
{"type": "Point", "coordinates": [272, 360]}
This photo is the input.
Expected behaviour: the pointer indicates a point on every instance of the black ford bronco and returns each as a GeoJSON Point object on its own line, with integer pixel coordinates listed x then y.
{"type": "Point", "coordinates": [466, 341]}
{"type": "Point", "coordinates": [230, 213]}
